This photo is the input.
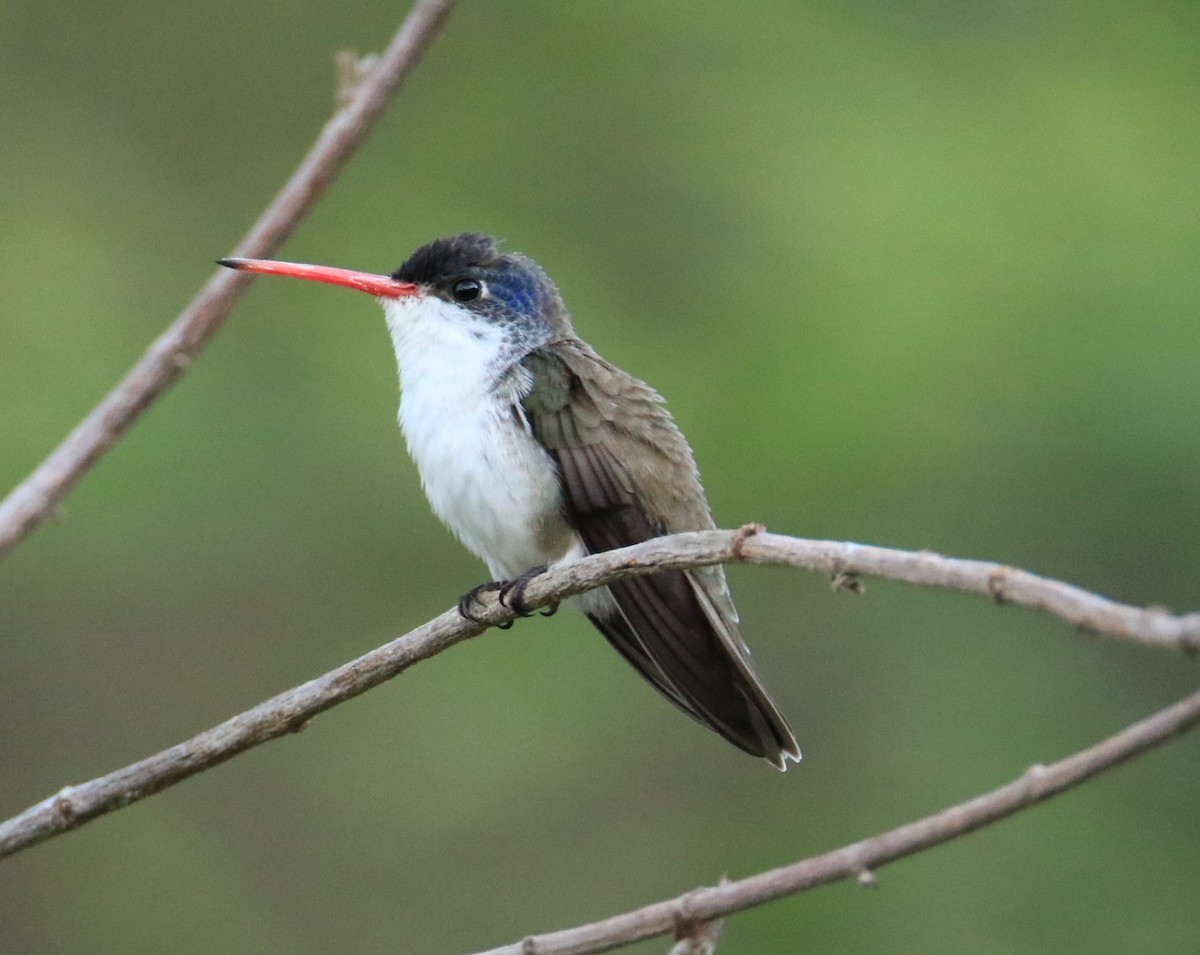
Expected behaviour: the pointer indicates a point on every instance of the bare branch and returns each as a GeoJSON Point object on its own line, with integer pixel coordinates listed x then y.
{"type": "Point", "coordinates": [843, 562]}
{"type": "Point", "coordinates": [29, 504]}
{"type": "Point", "coordinates": [287, 712]}
{"type": "Point", "coordinates": [853, 861]}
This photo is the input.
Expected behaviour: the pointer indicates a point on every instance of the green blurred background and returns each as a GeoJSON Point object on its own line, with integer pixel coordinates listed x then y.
{"type": "Point", "coordinates": [922, 275]}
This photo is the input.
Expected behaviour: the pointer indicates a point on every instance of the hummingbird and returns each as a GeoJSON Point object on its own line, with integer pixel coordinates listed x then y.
{"type": "Point", "coordinates": [534, 451]}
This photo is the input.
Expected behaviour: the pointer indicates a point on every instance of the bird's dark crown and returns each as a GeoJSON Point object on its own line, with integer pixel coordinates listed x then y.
{"type": "Point", "coordinates": [452, 257]}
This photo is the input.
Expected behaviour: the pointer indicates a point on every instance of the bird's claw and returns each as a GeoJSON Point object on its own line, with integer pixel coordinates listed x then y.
{"type": "Point", "coordinates": [471, 597]}
{"type": "Point", "coordinates": [512, 594]}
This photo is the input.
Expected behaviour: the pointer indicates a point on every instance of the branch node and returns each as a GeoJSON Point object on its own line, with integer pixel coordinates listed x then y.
{"type": "Point", "coordinates": [701, 938]}
{"type": "Point", "coordinates": [694, 936]}
{"type": "Point", "coordinates": [1035, 778]}
{"type": "Point", "coordinates": [848, 581]}
{"type": "Point", "coordinates": [351, 69]}
{"type": "Point", "coordinates": [866, 879]}
{"type": "Point", "coordinates": [63, 809]}
{"type": "Point", "coordinates": [682, 920]}
{"type": "Point", "coordinates": [529, 945]}
{"type": "Point", "coordinates": [997, 584]}
{"type": "Point", "coordinates": [1189, 633]}
{"type": "Point", "coordinates": [738, 541]}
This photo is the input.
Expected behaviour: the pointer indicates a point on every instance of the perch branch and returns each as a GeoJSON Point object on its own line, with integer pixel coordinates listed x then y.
{"type": "Point", "coordinates": [75, 805]}
{"type": "Point", "coordinates": [861, 858]}
{"type": "Point", "coordinates": [30, 503]}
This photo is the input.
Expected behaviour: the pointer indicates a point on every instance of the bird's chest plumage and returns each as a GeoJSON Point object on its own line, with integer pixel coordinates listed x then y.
{"type": "Point", "coordinates": [485, 476]}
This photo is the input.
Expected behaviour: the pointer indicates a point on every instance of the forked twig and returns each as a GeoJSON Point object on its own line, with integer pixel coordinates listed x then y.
{"type": "Point", "coordinates": [35, 499]}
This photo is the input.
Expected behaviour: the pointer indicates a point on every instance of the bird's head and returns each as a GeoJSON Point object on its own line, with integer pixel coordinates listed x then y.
{"type": "Point", "coordinates": [463, 283]}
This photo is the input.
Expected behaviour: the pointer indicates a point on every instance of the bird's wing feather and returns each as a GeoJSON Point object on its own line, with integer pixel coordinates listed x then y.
{"type": "Point", "coordinates": [627, 475]}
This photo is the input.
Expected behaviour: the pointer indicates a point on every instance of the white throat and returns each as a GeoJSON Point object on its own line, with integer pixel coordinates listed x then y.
{"type": "Point", "coordinates": [436, 344]}
{"type": "Point", "coordinates": [485, 476]}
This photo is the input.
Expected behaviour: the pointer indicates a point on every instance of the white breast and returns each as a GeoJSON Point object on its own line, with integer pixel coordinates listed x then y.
{"type": "Point", "coordinates": [485, 476]}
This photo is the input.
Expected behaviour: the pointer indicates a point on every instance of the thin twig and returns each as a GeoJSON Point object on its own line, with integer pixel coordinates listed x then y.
{"type": "Point", "coordinates": [34, 500]}
{"type": "Point", "coordinates": [75, 805]}
{"type": "Point", "coordinates": [1035, 785]}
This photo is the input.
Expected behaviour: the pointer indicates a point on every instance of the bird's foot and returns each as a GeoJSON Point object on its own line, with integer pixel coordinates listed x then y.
{"type": "Point", "coordinates": [512, 595]}
{"type": "Point", "coordinates": [471, 597]}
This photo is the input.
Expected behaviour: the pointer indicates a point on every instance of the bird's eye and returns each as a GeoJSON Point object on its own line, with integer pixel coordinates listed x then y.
{"type": "Point", "coordinates": [466, 290]}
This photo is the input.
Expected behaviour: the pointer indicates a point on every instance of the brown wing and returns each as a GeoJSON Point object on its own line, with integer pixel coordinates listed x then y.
{"type": "Point", "coordinates": [627, 475]}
